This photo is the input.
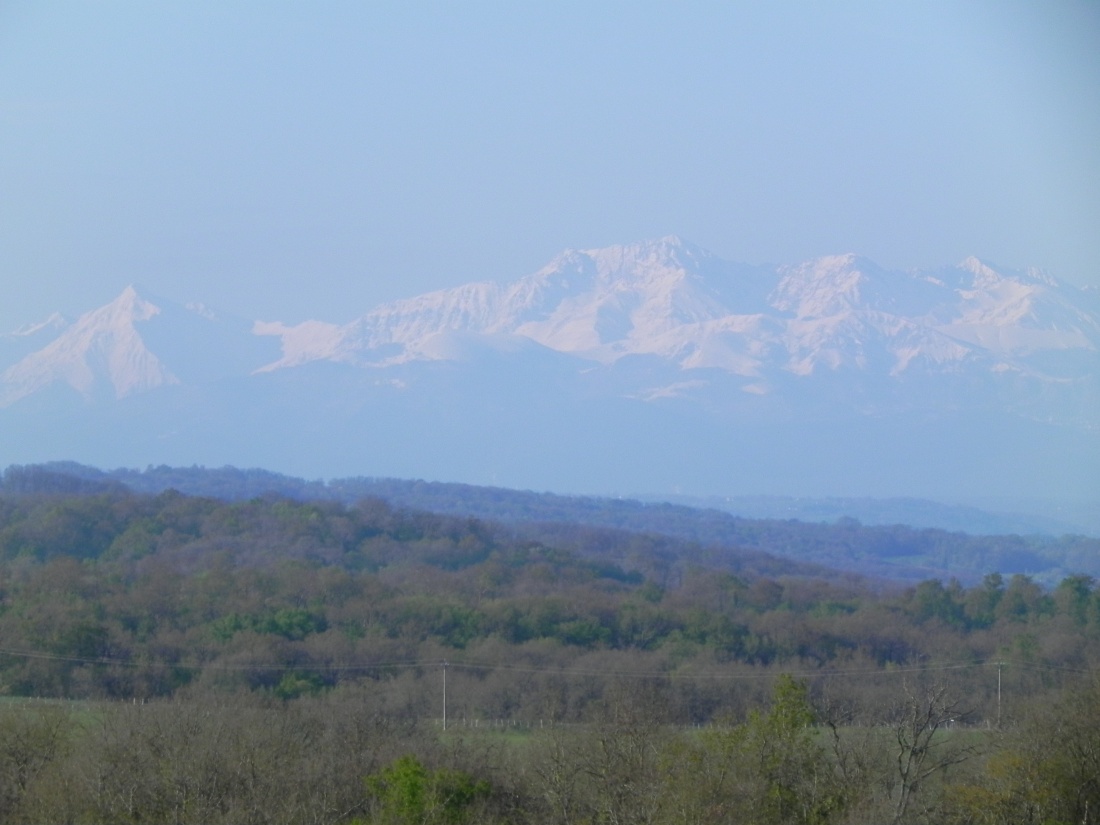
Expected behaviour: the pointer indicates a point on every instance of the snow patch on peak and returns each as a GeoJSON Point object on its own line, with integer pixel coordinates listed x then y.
{"type": "Point", "coordinates": [129, 305]}
{"type": "Point", "coordinates": [302, 343]}
{"type": "Point", "coordinates": [845, 260]}
{"type": "Point", "coordinates": [820, 288]}
{"type": "Point", "coordinates": [1041, 276]}
{"type": "Point", "coordinates": [647, 259]}
{"type": "Point", "coordinates": [56, 321]}
{"type": "Point", "coordinates": [984, 276]}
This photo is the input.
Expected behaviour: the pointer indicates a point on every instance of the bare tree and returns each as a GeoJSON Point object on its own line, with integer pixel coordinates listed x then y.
{"type": "Point", "coordinates": [561, 777]}
{"type": "Point", "coordinates": [623, 759]}
{"type": "Point", "coordinates": [31, 738]}
{"type": "Point", "coordinates": [923, 746]}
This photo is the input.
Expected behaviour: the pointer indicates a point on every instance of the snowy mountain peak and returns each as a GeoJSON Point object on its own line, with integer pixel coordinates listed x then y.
{"type": "Point", "coordinates": [983, 275]}
{"type": "Point", "coordinates": [125, 310]}
{"type": "Point", "coordinates": [606, 303]}
{"type": "Point", "coordinates": [827, 286]}
{"type": "Point", "coordinates": [667, 259]}
{"type": "Point", "coordinates": [102, 347]}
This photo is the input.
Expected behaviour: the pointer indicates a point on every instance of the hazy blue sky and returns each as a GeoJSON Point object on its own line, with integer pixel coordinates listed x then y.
{"type": "Point", "coordinates": [295, 160]}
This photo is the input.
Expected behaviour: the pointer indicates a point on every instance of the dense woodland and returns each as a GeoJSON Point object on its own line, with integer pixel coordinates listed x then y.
{"type": "Point", "coordinates": [176, 658]}
{"type": "Point", "coordinates": [895, 552]}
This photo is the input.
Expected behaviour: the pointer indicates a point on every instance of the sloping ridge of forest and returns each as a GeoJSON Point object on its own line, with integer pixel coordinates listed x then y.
{"type": "Point", "coordinates": [284, 658]}
{"type": "Point", "coordinates": [289, 568]}
{"type": "Point", "coordinates": [893, 552]}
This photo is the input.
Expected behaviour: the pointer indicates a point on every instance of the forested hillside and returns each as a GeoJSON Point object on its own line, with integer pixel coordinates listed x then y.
{"type": "Point", "coordinates": [891, 552]}
{"type": "Point", "coordinates": [272, 659]}
{"type": "Point", "coordinates": [161, 590]}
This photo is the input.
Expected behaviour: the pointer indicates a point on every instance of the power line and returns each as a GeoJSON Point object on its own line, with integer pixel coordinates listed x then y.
{"type": "Point", "coordinates": [769, 673]}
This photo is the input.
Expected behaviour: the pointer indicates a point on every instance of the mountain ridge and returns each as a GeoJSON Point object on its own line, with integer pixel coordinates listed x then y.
{"type": "Point", "coordinates": [668, 299]}
{"type": "Point", "coordinates": [652, 367]}
{"type": "Point", "coordinates": [827, 534]}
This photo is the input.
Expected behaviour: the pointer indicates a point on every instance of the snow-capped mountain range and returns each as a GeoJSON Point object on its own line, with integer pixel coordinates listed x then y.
{"type": "Point", "coordinates": [679, 303]}
{"type": "Point", "coordinates": [648, 324]}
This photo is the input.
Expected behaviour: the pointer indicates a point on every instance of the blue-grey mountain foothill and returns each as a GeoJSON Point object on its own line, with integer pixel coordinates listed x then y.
{"type": "Point", "coordinates": [653, 368]}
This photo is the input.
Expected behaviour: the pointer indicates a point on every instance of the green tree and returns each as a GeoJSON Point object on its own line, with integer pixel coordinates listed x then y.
{"type": "Point", "coordinates": [1047, 770]}
{"type": "Point", "coordinates": [407, 793]}
{"type": "Point", "coordinates": [1072, 597]}
{"type": "Point", "coordinates": [778, 773]}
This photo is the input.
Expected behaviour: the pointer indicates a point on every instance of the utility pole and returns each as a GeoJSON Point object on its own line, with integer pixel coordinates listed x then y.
{"type": "Point", "coordinates": [999, 695]}
{"type": "Point", "coordinates": [444, 694]}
